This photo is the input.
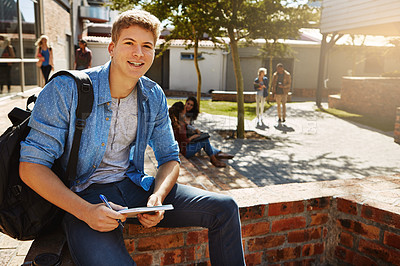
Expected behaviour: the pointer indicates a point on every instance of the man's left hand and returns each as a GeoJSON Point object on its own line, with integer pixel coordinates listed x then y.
{"type": "Point", "coordinates": [150, 220]}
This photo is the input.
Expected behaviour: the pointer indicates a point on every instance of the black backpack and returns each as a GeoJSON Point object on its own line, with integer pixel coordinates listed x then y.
{"type": "Point", "coordinates": [24, 214]}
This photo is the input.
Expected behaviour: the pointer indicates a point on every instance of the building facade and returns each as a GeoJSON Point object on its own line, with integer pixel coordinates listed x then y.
{"type": "Point", "coordinates": [63, 21]}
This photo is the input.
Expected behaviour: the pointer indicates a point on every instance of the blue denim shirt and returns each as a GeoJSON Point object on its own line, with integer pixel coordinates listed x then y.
{"type": "Point", "coordinates": [53, 124]}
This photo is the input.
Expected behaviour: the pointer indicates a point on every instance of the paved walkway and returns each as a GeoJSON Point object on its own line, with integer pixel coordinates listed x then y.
{"type": "Point", "coordinates": [310, 146]}
{"type": "Point", "coordinates": [12, 252]}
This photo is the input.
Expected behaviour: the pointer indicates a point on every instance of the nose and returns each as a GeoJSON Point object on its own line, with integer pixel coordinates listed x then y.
{"type": "Point", "coordinates": [137, 50]}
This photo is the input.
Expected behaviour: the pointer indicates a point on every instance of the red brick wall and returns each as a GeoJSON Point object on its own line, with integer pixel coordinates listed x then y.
{"type": "Point", "coordinates": [321, 230]}
{"type": "Point", "coordinates": [397, 126]}
{"type": "Point", "coordinates": [367, 235]}
{"type": "Point", "coordinates": [310, 93]}
{"type": "Point", "coordinates": [288, 232]}
{"type": "Point", "coordinates": [230, 96]}
{"type": "Point", "coordinates": [376, 97]}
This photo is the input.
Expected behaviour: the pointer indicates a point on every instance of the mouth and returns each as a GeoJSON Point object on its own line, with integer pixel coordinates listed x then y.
{"type": "Point", "coordinates": [135, 64]}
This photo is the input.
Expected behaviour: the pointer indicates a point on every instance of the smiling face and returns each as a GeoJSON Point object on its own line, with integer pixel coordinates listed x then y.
{"type": "Point", "coordinates": [132, 54]}
{"type": "Point", "coordinates": [189, 105]}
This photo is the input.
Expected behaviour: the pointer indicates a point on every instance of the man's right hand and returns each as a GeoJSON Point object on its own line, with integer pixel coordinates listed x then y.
{"type": "Point", "coordinates": [103, 219]}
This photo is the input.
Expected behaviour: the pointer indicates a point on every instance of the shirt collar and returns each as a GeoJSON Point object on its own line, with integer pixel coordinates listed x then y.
{"type": "Point", "coordinates": [144, 85]}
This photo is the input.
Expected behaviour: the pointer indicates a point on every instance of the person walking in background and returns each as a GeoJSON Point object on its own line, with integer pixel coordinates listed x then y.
{"type": "Point", "coordinates": [83, 56]}
{"type": "Point", "coordinates": [261, 86]}
{"type": "Point", "coordinates": [7, 51]}
{"type": "Point", "coordinates": [45, 55]}
{"type": "Point", "coordinates": [281, 82]}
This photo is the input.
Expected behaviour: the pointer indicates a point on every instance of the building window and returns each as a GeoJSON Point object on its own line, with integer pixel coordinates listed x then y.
{"type": "Point", "coordinates": [21, 61]}
{"type": "Point", "coordinates": [190, 56]}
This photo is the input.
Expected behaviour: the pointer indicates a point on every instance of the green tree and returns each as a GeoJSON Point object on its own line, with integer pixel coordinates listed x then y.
{"type": "Point", "coordinates": [192, 20]}
{"type": "Point", "coordinates": [236, 17]}
{"type": "Point", "coordinates": [195, 22]}
{"type": "Point", "coordinates": [281, 22]}
{"type": "Point", "coordinates": [231, 16]}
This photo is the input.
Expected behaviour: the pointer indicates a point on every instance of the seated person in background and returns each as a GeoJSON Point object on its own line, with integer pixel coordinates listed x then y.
{"type": "Point", "coordinates": [186, 145]}
{"type": "Point", "coordinates": [190, 113]}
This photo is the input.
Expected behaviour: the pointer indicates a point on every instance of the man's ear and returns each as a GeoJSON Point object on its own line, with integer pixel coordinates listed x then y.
{"type": "Point", "coordinates": [111, 47]}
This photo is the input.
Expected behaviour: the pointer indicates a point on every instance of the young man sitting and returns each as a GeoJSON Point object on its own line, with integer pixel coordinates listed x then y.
{"type": "Point", "coordinates": [129, 112]}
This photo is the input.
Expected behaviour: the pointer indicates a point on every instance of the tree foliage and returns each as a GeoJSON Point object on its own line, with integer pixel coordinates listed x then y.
{"type": "Point", "coordinates": [279, 22]}
{"type": "Point", "coordinates": [235, 19]}
{"type": "Point", "coordinates": [191, 20]}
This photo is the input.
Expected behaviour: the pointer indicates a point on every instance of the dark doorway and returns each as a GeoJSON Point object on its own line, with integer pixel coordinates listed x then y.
{"type": "Point", "coordinates": [159, 71]}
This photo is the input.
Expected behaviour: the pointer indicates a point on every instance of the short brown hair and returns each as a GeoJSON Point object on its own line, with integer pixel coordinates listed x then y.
{"type": "Point", "coordinates": [136, 17]}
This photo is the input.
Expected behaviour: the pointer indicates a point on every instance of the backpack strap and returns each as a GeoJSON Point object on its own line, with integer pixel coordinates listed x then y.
{"type": "Point", "coordinates": [83, 110]}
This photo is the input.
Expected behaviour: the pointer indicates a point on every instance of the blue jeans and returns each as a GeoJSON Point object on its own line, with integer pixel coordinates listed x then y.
{"type": "Point", "coordinates": [192, 207]}
{"type": "Point", "coordinates": [193, 147]}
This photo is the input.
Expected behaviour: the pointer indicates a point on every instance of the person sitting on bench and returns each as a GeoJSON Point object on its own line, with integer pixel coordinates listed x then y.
{"type": "Point", "coordinates": [189, 146]}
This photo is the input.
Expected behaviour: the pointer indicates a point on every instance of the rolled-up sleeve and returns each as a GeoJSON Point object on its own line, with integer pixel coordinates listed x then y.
{"type": "Point", "coordinates": [49, 123]}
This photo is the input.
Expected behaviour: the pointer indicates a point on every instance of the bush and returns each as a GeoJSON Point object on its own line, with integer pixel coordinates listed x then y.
{"type": "Point", "coordinates": [393, 74]}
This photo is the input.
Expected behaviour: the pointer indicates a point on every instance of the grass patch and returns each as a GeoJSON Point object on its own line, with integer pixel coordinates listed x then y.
{"type": "Point", "coordinates": [384, 125]}
{"type": "Point", "coordinates": [225, 108]}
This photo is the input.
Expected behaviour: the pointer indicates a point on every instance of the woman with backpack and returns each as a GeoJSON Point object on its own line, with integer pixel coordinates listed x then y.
{"type": "Point", "coordinates": [45, 55]}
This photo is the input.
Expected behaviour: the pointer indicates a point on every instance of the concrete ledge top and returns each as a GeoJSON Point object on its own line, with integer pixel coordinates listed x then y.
{"type": "Point", "coordinates": [233, 92]}
{"type": "Point", "coordinates": [373, 78]}
{"type": "Point", "coordinates": [381, 192]}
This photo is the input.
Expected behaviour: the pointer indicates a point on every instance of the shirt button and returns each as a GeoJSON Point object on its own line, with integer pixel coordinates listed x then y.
{"type": "Point", "coordinates": [108, 104]}
{"type": "Point", "coordinates": [78, 182]}
{"type": "Point", "coordinates": [102, 144]}
{"type": "Point", "coordinates": [94, 166]}
{"type": "Point", "coordinates": [107, 118]}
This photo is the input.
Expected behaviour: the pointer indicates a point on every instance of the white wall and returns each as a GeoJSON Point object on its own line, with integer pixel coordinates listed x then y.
{"type": "Point", "coordinates": [183, 75]}
{"type": "Point", "coordinates": [374, 17]}
{"type": "Point", "coordinates": [100, 53]}
{"type": "Point", "coordinates": [305, 69]}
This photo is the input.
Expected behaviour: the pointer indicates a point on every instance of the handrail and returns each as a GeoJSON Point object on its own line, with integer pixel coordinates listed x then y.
{"type": "Point", "coordinates": [18, 60]}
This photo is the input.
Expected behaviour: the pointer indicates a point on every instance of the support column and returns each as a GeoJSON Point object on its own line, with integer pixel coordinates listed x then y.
{"type": "Point", "coordinates": [321, 71]}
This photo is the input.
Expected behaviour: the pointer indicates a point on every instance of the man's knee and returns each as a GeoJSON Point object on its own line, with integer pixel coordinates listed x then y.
{"type": "Point", "coordinates": [228, 205]}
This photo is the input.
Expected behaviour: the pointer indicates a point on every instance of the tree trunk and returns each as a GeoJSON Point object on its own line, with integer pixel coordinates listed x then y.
{"type": "Point", "coordinates": [196, 65]}
{"type": "Point", "coordinates": [270, 79]}
{"type": "Point", "coordinates": [321, 71]}
{"type": "Point", "coordinates": [239, 83]}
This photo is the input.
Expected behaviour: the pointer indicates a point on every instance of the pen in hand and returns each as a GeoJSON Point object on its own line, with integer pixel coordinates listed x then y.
{"type": "Point", "coordinates": [104, 199]}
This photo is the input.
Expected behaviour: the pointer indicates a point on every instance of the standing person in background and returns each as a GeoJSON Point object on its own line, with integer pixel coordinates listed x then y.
{"type": "Point", "coordinates": [7, 51]}
{"type": "Point", "coordinates": [83, 56]}
{"type": "Point", "coordinates": [261, 86]}
{"type": "Point", "coordinates": [45, 55]}
{"type": "Point", "coordinates": [281, 82]}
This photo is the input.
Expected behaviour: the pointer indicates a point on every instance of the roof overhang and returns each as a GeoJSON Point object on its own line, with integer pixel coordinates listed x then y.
{"type": "Point", "coordinates": [361, 17]}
